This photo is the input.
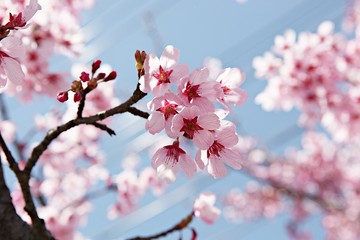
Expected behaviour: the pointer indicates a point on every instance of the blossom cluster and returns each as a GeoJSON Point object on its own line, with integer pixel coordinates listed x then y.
{"type": "Point", "coordinates": [316, 73]}
{"type": "Point", "coordinates": [184, 106]}
{"type": "Point", "coordinates": [204, 208]}
{"type": "Point", "coordinates": [89, 79]}
{"type": "Point", "coordinates": [320, 176]}
{"type": "Point", "coordinates": [11, 47]}
{"type": "Point", "coordinates": [25, 55]}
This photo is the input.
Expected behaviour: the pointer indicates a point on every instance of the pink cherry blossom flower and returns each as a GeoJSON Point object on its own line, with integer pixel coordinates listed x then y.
{"type": "Point", "coordinates": [8, 130]}
{"type": "Point", "coordinates": [10, 50]}
{"type": "Point", "coordinates": [167, 160]}
{"type": "Point", "coordinates": [204, 208]}
{"type": "Point", "coordinates": [165, 108]}
{"type": "Point", "coordinates": [197, 90]}
{"type": "Point", "coordinates": [30, 10]}
{"type": "Point", "coordinates": [230, 80]}
{"type": "Point", "coordinates": [194, 124]}
{"type": "Point", "coordinates": [220, 152]}
{"type": "Point", "coordinates": [20, 20]}
{"type": "Point", "coordinates": [159, 73]}
{"type": "Point", "coordinates": [254, 202]}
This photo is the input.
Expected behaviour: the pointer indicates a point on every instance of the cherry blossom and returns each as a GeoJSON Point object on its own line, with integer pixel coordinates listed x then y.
{"type": "Point", "coordinates": [19, 20]}
{"type": "Point", "coordinates": [230, 79]}
{"type": "Point", "coordinates": [256, 201]}
{"type": "Point", "coordinates": [8, 130]}
{"type": "Point", "coordinates": [159, 73]}
{"type": "Point", "coordinates": [204, 208]}
{"type": "Point", "coordinates": [314, 74]}
{"type": "Point", "coordinates": [164, 109]}
{"type": "Point", "coordinates": [193, 124]}
{"type": "Point", "coordinates": [197, 91]}
{"type": "Point", "coordinates": [221, 151]}
{"type": "Point", "coordinates": [168, 159]}
{"type": "Point", "coordinates": [10, 50]}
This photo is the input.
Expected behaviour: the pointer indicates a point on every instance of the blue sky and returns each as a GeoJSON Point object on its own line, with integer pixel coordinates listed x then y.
{"type": "Point", "coordinates": [234, 33]}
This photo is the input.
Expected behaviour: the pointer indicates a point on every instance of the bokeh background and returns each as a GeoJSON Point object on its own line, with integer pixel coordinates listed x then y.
{"type": "Point", "coordinates": [232, 31]}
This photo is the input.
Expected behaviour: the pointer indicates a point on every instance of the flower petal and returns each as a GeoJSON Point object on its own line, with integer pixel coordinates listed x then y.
{"type": "Point", "coordinates": [155, 123]}
{"type": "Point", "coordinates": [169, 57]}
{"type": "Point", "coordinates": [216, 168]}
{"type": "Point", "coordinates": [231, 158]}
{"type": "Point", "coordinates": [203, 139]}
{"type": "Point", "coordinates": [13, 70]}
{"type": "Point", "coordinates": [187, 165]}
{"type": "Point", "coordinates": [209, 121]}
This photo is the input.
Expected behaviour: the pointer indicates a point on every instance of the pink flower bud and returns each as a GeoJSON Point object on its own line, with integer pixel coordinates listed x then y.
{"type": "Point", "coordinates": [62, 96]}
{"type": "Point", "coordinates": [84, 77]}
{"type": "Point", "coordinates": [95, 66]}
{"type": "Point", "coordinates": [101, 76]}
{"type": "Point", "coordinates": [111, 76]}
{"type": "Point", "coordinates": [77, 96]}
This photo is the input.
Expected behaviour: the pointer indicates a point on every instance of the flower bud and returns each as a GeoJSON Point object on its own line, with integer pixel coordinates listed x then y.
{"type": "Point", "coordinates": [111, 76]}
{"type": "Point", "coordinates": [77, 96]}
{"type": "Point", "coordinates": [95, 66]}
{"type": "Point", "coordinates": [139, 58]}
{"type": "Point", "coordinates": [84, 77]}
{"type": "Point", "coordinates": [101, 76]}
{"type": "Point", "coordinates": [62, 96]}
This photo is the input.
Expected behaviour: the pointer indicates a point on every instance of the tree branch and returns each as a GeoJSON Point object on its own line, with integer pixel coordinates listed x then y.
{"type": "Point", "coordinates": [104, 128]}
{"type": "Point", "coordinates": [12, 226]}
{"type": "Point", "coordinates": [53, 134]}
{"type": "Point", "coordinates": [178, 227]}
{"type": "Point", "coordinates": [11, 160]}
{"type": "Point", "coordinates": [136, 112]}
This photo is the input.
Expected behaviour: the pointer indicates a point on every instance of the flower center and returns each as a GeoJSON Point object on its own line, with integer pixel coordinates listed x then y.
{"type": "Point", "coordinates": [168, 109]}
{"type": "Point", "coordinates": [190, 91]}
{"type": "Point", "coordinates": [190, 127]}
{"type": "Point", "coordinates": [215, 149]}
{"type": "Point", "coordinates": [173, 152]}
{"type": "Point", "coordinates": [162, 76]}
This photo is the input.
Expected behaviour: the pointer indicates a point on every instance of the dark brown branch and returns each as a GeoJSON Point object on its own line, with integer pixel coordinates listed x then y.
{"type": "Point", "coordinates": [12, 226]}
{"type": "Point", "coordinates": [178, 227]}
{"type": "Point", "coordinates": [53, 134]}
{"type": "Point", "coordinates": [23, 178]}
{"type": "Point", "coordinates": [137, 112]}
{"type": "Point", "coordinates": [82, 102]}
{"type": "Point", "coordinates": [104, 128]}
{"type": "Point", "coordinates": [37, 223]}
{"type": "Point", "coordinates": [11, 160]}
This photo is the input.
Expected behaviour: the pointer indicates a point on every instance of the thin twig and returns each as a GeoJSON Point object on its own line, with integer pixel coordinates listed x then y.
{"type": "Point", "coordinates": [136, 112]}
{"type": "Point", "coordinates": [104, 128]}
{"type": "Point", "coordinates": [178, 227]}
{"type": "Point", "coordinates": [11, 160]}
